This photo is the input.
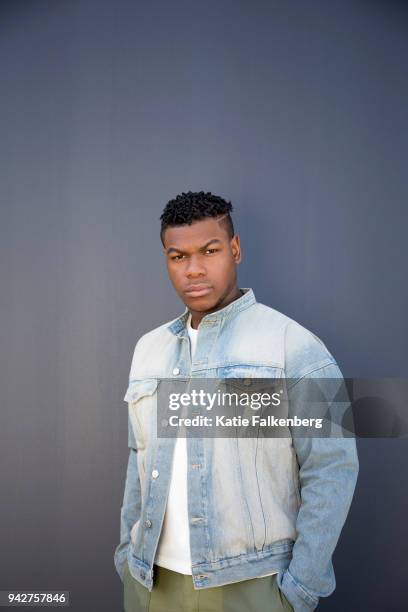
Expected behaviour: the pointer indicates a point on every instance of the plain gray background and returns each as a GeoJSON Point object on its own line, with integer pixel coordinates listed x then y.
{"type": "Point", "coordinates": [297, 113]}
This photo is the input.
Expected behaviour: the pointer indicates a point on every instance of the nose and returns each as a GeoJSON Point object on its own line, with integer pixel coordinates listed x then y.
{"type": "Point", "coordinates": [195, 268]}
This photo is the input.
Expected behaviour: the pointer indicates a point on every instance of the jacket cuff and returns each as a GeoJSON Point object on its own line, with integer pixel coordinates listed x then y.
{"type": "Point", "coordinates": [295, 593]}
{"type": "Point", "coordinates": [120, 559]}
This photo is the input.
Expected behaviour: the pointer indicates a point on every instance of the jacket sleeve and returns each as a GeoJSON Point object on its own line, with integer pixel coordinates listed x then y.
{"type": "Point", "coordinates": [131, 506]}
{"type": "Point", "coordinates": [328, 469]}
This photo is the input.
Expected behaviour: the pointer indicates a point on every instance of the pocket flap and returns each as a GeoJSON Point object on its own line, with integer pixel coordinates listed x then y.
{"type": "Point", "coordinates": [251, 379]}
{"type": "Point", "coordinates": [140, 388]}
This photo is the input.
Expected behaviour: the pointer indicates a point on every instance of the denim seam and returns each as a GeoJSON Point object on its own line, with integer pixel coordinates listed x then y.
{"type": "Point", "coordinates": [259, 489]}
{"type": "Point", "coordinates": [243, 497]}
{"type": "Point", "coordinates": [320, 367]}
{"type": "Point", "coordinates": [227, 364]}
{"type": "Point", "coordinates": [274, 549]}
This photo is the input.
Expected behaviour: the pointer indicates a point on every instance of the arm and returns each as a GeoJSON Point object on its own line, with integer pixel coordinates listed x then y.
{"type": "Point", "coordinates": [131, 506]}
{"type": "Point", "coordinates": [328, 469]}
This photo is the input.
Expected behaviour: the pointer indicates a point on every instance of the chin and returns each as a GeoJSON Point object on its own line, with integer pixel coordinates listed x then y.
{"type": "Point", "coordinates": [200, 304]}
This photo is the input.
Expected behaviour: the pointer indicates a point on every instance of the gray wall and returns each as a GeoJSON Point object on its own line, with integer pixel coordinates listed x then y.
{"type": "Point", "coordinates": [297, 113]}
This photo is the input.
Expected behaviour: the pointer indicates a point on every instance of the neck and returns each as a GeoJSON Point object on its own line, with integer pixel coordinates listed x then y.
{"type": "Point", "coordinates": [233, 295]}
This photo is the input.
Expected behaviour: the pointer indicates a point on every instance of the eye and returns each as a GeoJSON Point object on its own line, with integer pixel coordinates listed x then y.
{"type": "Point", "coordinates": [175, 258]}
{"type": "Point", "coordinates": [213, 250]}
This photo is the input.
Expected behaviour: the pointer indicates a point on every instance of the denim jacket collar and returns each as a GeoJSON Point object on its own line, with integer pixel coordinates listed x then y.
{"type": "Point", "coordinates": [178, 326]}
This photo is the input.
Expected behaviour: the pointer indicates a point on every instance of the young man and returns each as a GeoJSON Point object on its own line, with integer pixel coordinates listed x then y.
{"type": "Point", "coordinates": [207, 525]}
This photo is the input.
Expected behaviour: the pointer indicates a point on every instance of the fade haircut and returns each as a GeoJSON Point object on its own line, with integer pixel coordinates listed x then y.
{"type": "Point", "coordinates": [194, 206]}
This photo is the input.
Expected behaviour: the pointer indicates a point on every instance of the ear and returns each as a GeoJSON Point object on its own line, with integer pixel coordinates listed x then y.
{"type": "Point", "coordinates": [236, 248]}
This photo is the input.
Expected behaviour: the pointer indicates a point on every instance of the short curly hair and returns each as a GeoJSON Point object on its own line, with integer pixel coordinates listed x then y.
{"type": "Point", "coordinates": [194, 206]}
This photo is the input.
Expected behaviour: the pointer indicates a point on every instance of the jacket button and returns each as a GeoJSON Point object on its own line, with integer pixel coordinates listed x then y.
{"type": "Point", "coordinates": [142, 575]}
{"type": "Point", "coordinates": [148, 523]}
{"type": "Point", "coordinates": [176, 371]}
{"type": "Point", "coordinates": [155, 473]}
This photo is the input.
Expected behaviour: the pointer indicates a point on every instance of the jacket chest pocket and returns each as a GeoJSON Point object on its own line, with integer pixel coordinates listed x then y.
{"type": "Point", "coordinates": [252, 381]}
{"type": "Point", "coordinates": [141, 396]}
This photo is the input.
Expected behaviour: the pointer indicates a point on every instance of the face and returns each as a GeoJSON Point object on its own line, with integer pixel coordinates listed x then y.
{"type": "Point", "coordinates": [201, 263]}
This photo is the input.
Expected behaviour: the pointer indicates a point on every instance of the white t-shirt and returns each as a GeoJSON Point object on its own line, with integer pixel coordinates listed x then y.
{"type": "Point", "coordinates": [173, 551]}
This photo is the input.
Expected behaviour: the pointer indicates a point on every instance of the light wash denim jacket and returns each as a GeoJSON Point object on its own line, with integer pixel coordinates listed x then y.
{"type": "Point", "coordinates": [255, 505]}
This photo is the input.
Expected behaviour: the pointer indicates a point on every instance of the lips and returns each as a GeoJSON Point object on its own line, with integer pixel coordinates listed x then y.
{"type": "Point", "coordinates": [197, 290]}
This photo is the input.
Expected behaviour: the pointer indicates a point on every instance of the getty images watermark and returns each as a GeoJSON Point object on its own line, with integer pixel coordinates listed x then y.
{"type": "Point", "coordinates": [207, 401]}
{"type": "Point", "coordinates": [271, 407]}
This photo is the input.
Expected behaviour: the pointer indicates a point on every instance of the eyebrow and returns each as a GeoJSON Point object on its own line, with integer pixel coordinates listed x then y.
{"type": "Point", "coordinates": [173, 249]}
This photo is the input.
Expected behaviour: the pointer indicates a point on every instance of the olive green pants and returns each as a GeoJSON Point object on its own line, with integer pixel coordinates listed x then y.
{"type": "Point", "coordinates": [174, 592]}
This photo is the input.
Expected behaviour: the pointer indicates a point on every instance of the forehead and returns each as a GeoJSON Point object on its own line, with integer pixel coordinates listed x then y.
{"type": "Point", "coordinates": [194, 235]}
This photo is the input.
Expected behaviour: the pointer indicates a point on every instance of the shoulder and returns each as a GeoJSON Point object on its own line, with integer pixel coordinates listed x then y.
{"type": "Point", "coordinates": [295, 335]}
{"type": "Point", "coordinates": [305, 352]}
{"type": "Point", "coordinates": [147, 345]}
{"type": "Point", "coordinates": [154, 335]}
{"type": "Point", "coordinates": [276, 336]}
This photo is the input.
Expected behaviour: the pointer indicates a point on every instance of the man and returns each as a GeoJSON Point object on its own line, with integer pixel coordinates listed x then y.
{"type": "Point", "coordinates": [212, 526]}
